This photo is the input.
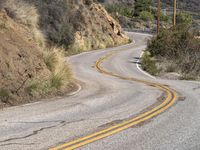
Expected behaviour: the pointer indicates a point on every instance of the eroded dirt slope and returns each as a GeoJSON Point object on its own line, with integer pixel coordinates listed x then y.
{"type": "Point", "coordinates": [20, 60]}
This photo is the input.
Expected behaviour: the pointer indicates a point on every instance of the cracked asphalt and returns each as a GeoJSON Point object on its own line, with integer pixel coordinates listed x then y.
{"type": "Point", "coordinates": [102, 102]}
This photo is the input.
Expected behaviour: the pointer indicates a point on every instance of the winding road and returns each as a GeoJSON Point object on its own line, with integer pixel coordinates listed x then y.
{"type": "Point", "coordinates": [119, 107]}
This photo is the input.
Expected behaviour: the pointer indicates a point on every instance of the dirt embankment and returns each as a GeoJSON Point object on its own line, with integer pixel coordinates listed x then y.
{"type": "Point", "coordinates": [31, 34]}
{"type": "Point", "coordinates": [20, 60]}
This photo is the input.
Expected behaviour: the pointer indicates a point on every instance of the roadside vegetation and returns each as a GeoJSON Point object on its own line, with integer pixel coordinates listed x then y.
{"type": "Point", "coordinates": [60, 77]}
{"type": "Point", "coordinates": [175, 51]}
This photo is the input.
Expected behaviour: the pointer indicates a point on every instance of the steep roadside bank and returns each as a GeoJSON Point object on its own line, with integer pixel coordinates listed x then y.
{"type": "Point", "coordinates": [34, 37]}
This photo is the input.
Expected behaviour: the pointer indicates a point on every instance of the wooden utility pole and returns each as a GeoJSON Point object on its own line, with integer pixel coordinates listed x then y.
{"type": "Point", "coordinates": [158, 16]}
{"type": "Point", "coordinates": [174, 16]}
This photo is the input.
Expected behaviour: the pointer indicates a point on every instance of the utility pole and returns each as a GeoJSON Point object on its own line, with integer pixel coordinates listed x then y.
{"type": "Point", "coordinates": [158, 16]}
{"type": "Point", "coordinates": [174, 16]}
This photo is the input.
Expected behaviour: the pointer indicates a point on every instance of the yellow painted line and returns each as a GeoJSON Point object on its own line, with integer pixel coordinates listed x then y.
{"type": "Point", "coordinates": [168, 102]}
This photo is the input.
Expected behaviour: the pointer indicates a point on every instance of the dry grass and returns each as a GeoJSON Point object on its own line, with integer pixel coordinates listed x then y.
{"type": "Point", "coordinates": [27, 15]}
{"type": "Point", "coordinates": [61, 74]}
{"type": "Point", "coordinates": [56, 62]}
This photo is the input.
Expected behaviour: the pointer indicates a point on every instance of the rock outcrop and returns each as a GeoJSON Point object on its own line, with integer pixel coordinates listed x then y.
{"type": "Point", "coordinates": [97, 29]}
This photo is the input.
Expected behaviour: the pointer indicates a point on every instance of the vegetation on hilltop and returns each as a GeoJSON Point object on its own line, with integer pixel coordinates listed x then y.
{"type": "Point", "coordinates": [142, 13]}
{"type": "Point", "coordinates": [136, 14]}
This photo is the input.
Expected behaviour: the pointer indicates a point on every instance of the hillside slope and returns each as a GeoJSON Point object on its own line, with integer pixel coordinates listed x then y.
{"type": "Point", "coordinates": [77, 25]}
{"type": "Point", "coordinates": [96, 28]}
{"type": "Point", "coordinates": [123, 11]}
{"type": "Point", "coordinates": [33, 34]}
{"type": "Point", "coordinates": [20, 61]}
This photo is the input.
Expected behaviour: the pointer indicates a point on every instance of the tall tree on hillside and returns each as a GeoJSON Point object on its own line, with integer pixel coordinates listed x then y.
{"type": "Point", "coordinates": [142, 5]}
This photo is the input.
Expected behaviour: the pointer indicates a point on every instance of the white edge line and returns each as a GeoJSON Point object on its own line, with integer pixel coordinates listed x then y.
{"type": "Point", "coordinates": [141, 70]}
{"type": "Point", "coordinates": [77, 91]}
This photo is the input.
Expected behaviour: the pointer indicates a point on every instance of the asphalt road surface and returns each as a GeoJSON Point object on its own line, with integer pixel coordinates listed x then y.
{"type": "Point", "coordinates": [111, 95]}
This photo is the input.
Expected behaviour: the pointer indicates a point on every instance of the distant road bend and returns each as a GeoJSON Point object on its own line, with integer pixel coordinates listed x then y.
{"type": "Point", "coordinates": [119, 107]}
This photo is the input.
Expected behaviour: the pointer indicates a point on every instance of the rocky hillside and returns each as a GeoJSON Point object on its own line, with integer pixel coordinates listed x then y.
{"type": "Point", "coordinates": [78, 25]}
{"type": "Point", "coordinates": [33, 36]}
{"type": "Point", "coordinates": [94, 28]}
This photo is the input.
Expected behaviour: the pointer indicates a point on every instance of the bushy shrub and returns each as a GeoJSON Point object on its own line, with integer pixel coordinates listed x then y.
{"type": "Point", "coordinates": [122, 9]}
{"type": "Point", "coordinates": [164, 17]}
{"type": "Point", "coordinates": [142, 5]}
{"type": "Point", "coordinates": [4, 95]}
{"type": "Point", "coordinates": [55, 21]}
{"type": "Point", "coordinates": [146, 16]}
{"type": "Point", "coordinates": [184, 20]}
{"type": "Point", "coordinates": [149, 64]}
{"type": "Point", "coordinates": [181, 47]}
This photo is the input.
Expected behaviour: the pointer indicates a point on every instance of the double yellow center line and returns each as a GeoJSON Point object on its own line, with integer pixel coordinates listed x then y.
{"type": "Point", "coordinates": [171, 97]}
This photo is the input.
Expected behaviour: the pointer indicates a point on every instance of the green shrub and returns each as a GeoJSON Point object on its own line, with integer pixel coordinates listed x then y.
{"type": "Point", "coordinates": [142, 5]}
{"type": "Point", "coordinates": [146, 16]}
{"type": "Point", "coordinates": [164, 17]}
{"type": "Point", "coordinates": [149, 64]}
{"type": "Point", "coordinates": [122, 9]}
{"type": "Point", "coordinates": [4, 95]}
{"type": "Point", "coordinates": [180, 47]}
{"type": "Point", "coordinates": [2, 25]}
{"type": "Point", "coordinates": [184, 20]}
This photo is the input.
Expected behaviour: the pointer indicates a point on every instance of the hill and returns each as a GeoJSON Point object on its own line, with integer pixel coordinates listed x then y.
{"type": "Point", "coordinates": [20, 61]}
{"type": "Point", "coordinates": [76, 25]}
{"type": "Point", "coordinates": [124, 10]}
{"type": "Point", "coordinates": [35, 35]}
{"type": "Point", "coordinates": [186, 5]}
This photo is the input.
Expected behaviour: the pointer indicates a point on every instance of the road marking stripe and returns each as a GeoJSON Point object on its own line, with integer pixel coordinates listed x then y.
{"type": "Point", "coordinates": [168, 102]}
{"type": "Point", "coordinates": [120, 129]}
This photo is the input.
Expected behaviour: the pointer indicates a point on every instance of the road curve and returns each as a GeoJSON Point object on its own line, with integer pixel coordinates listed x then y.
{"type": "Point", "coordinates": [113, 94]}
